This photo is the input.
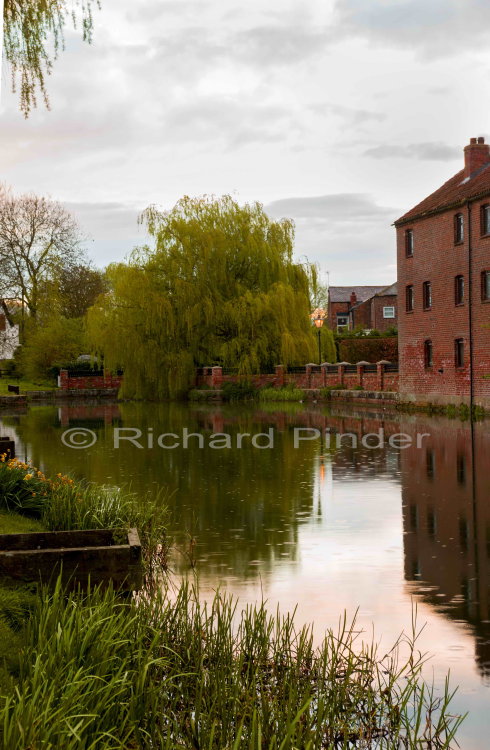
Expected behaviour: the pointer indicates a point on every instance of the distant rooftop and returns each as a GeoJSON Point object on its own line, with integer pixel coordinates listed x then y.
{"type": "Point", "coordinates": [343, 293]}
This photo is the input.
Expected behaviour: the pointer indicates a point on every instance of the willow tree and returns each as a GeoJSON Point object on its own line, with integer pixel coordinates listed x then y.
{"type": "Point", "coordinates": [33, 35]}
{"type": "Point", "coordinates": [219, 287]}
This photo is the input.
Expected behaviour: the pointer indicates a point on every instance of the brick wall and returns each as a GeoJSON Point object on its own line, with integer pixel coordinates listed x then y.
{"type": "Point", "coordinates": [381, 378]}
{"type": "Point", "coordinates": [438, 259]}
{"type": "Point", "coordinates": [85, 382]}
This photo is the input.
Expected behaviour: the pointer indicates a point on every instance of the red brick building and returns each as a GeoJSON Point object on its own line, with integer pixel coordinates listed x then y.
{"type": "Point", "coordinates": [366, 307]}
{"type": "Point", "coordinates": [443, 247]}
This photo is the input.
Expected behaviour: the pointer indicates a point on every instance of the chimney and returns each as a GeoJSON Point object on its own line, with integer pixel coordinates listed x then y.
{"type": "Point", "coordinates": [353, 299]}
{"type": "Point", "coordinates": [476, 155]}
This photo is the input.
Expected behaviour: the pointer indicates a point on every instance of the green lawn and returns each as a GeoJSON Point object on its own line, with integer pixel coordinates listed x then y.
{"type": "Point", "coordinates": [13, 523]}
{"type": "Point", "coordinates": [25, 385]}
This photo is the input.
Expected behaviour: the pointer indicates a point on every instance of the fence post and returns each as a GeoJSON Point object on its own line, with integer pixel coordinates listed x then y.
{"type": "Point", "coordinates": [63, 379]}
{"type": "Point", "coordinates": [216, 376]}
{"type": "Point", "coordinates": [360, 372]}
{"type": "Point", "coordinates": [279, 369]}
{"type": "Point", "coordinates": [308, 372]}
{"type": "Point", "coordinates": [380, 374]}
{"type": "Point", "coordinates": [325, 365]}
{"type": "Point", "coordinates": [341, 371]}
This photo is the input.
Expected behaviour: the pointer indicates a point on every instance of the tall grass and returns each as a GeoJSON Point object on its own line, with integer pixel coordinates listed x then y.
{"type": "Point", "coordinates": [170, 672]}
{"type": "Point", "coordinates": [288, 393]}
{"type": "Point", "coordinates": [62, 504]}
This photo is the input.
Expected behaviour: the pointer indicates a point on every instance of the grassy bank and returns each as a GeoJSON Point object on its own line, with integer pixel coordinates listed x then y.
{"type": "Point", "coordinates": [25, 385]}
{"type": "Point", "coordinates": [61, 504]}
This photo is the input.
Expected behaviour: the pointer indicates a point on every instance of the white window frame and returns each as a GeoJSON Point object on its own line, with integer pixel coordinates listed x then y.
{"type": "Point", "coordinates": [389, 307]}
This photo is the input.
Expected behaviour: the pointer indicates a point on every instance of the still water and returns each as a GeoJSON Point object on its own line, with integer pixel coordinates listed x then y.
{"type": "Point", "coordinates": [324, 524]}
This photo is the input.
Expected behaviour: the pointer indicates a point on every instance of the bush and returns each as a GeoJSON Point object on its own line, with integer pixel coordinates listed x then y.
{"type": "Point", "coordinates": [287, 393]}
{"type": "Point", "coordinates": [79, 365]}
{"type": "Point", "coordinates": [240, 391]}
{"type": "Point", "coordinates": [327, 391]}
{"type": "Point", "coordinates": [63, 504]}
{"type": "Point", "coordinates": [9, 368]}
{"type": "Point", "coordinates": [368, 349]}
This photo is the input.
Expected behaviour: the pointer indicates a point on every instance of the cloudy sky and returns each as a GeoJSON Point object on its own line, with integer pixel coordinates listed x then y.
{"type": "Point", "coordinates": [341, 114]}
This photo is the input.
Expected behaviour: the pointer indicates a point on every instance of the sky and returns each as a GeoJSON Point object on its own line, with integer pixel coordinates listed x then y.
{"type": "Point", "coordinates": [340, 114]}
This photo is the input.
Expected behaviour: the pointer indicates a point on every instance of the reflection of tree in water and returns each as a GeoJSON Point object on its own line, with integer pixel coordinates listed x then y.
{"type": "Point", "coordinates": [241, 505]}
{"type": "Point", "coordinates": [446, 517]}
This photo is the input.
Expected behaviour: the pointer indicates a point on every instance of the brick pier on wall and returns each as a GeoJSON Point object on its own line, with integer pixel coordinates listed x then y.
{"type": "Point", "coordinates": [382, 376]}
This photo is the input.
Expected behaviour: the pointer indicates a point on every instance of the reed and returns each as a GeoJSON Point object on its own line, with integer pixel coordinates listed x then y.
{"type": "Point", "coordinates": [287, 393]}
{"type": "Point", "coordinates": [168, 671]}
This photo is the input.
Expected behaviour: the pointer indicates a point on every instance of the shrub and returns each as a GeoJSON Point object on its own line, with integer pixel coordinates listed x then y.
{"type": "Point", "coordinates": [368, 349]}
{"type": "Point", "coordinates": [287, 393]}
{"type": "Point", "coordinates": [240, 391]}
{"type": "Point", "coordinates": [63, 504]}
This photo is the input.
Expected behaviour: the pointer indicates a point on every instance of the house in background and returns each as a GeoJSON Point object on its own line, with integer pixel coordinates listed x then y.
{"type": "Point", "coordinates": [444, 281]}
{"type": "Point", "coordinates": [366, 307]}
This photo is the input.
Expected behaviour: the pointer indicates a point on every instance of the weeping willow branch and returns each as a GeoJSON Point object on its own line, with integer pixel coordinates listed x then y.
{"type": "Point", "coordinates": [33, 38]}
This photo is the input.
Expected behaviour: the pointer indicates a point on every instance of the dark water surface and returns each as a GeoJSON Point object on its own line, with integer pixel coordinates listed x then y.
{"type": "Point", "coordinates": [328, 528]}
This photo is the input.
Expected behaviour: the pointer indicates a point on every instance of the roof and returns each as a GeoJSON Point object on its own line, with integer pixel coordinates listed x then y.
{"type": "Point", "coordinates": [454, 192]}
{"type": "Point", "coordinates": [343, 293]}
{"type": "Point", "coordinates": [389, 291]}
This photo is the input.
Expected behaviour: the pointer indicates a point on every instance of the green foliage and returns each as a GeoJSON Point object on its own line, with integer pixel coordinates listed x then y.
{"type": "Point", "coordinates": [287, 393]}
{"type": "Point", "coordinates": [33, 36]}
{"type": "Point", "coordinates": [243, 390]}
{"type": "Point", "coordinates": [62, 504]}
{"type": "Point", "coordinates": [368, 349]}
{"type": "Point", "coordinates": [329, 349]}
{"type": "Point", "coordinates": [327, 391]}
{"type": "Point", "coordinates": [49, 342]}
{"type": "Point", "coordinates": [168, 671]}
{"type": "Point", "coordinates": [220, 285]}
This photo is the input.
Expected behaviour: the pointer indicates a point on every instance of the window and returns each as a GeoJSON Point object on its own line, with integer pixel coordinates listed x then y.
{"type": "Point", "coordinates": [459, 352]}
{"type": "Point", "coordinates": [388, 312]}
{"type": "Point", "coordinates": [342, 321]}
{"type": "Point", "coordinates": [458, 228]}
{"type": "Point", "coordinates": [428, 355]}
{"type": "Point", "coordinates": [459, 290]}
{"type": "Point", "coordinates": [485, 285]}
{"type": "Point", "coordinates": [409, 298]}
{"type": "Point", "coordinates": [485, 219]}
{"type": "Point", "coordinates": [427, 295]}
{"type": "Point", "coordinates": [409, 243]}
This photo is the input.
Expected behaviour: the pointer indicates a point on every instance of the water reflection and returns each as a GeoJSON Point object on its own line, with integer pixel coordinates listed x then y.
{"type": "Point", "coordinates": [446, 521]}
{"type": "Point", "coordinates": [327, 527]}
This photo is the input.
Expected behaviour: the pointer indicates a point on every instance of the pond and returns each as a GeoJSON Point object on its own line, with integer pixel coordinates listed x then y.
{"type": "Point", "coordinates": [331, 510]}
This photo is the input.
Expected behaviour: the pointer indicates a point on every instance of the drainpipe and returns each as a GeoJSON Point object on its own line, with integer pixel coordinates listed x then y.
{"type": "Point", "coordinates": [470, 306]}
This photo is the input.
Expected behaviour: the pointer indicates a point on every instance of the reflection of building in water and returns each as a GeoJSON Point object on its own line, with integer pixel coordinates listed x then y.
{"type": "Point", "coordinates": [446, 518]}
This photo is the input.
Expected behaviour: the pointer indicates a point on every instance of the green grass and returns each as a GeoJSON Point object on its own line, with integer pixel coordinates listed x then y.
{"type": "Point", "coordinates": [25, 385]}
{"type": "Point", "coordinates": [62, 504]}
{"type": "Point", "coordinates": [13, 523]}
{"type": "Point", "coordinates": [170, 672]}
{"type": "Point", "coordinates": [288, 393]}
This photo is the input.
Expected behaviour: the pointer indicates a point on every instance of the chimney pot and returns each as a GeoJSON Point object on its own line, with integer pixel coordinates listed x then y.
{"type": "Point", "coordinates": [476, 156]}
{"type": "Point", "coordinates": [353, 298]}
